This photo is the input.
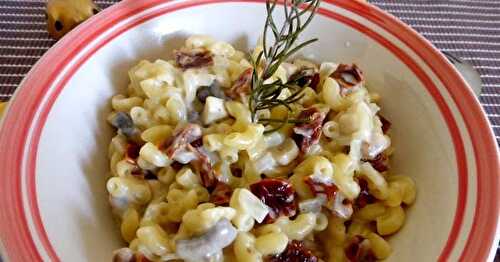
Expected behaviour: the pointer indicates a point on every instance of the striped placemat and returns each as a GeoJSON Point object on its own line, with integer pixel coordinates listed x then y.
{"type": "Point", "coordinates": [469, 29]}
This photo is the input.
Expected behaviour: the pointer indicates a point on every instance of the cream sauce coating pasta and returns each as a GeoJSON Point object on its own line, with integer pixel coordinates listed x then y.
{"type": "Point", "coordinates": [195, 178]}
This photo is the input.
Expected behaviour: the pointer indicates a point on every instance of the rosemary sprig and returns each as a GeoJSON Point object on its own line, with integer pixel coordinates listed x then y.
{"type": "Point", "coordinates": [267, 95]}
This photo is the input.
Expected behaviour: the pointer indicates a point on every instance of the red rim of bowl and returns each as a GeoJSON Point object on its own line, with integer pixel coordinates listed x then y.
{"type": "Point", "coordinates": [23, 114]}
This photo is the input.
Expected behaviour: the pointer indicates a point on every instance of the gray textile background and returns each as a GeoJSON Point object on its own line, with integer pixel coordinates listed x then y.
{"type": "Point", "coordinates": [470, 29]}
{"type": "Point", "coordinates": [467, 28]}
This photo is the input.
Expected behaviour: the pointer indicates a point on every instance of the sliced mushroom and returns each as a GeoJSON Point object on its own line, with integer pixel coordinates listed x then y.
{"type": "Point", "coordinates": [203, 247]}
{"type": "Point", "coordinates": [182, 137]}
{"type": "Point", "coordinates": [123, 122]}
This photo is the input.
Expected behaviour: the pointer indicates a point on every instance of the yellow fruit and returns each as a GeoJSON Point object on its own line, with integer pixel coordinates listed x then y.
{"type": "Point", "coordinates": [64, 15]}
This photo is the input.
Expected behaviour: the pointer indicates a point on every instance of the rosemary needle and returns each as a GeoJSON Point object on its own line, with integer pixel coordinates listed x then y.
{"type": "Point", "coordinates": [267, 95]}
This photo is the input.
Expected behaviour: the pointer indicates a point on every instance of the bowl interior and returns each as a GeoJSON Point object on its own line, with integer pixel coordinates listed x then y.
{"type": "Point", "coordinates": [72, 164]}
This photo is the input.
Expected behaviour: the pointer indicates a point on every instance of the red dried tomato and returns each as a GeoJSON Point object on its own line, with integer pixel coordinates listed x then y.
{"type": "Point", "coordinates": [278, 194]}
{"type": "Point", "coordinates": [221, 194]}
{"type": "Point", "coordinates": [306, 76]}
{"type": "Point", "coordinates": [242, 85]}
{"type": "Point", "coordinates": [319, 188]}
{"type": "Point", "coordinates": [197, 143]}
{"type": "Point", "coordinates": [188, 138]}
{"type": "Point", "coordinates": [348, 75]}
{"type": "Point", "coordinates": [127, 255]}
{"type": "Point", "coordinates": [193, 58]}
{"type": "Point", "coordinates": [182, 137]}
{"type": "Point", "coordinates": [364, 197]}
{"type": "Point", "coordinates": [386, 124]}
{"type": "Point", "coordinates": [203, 167]}
{"type": "Point", "coordinates": [359, 251]}
{"type": "Point", "coordinates": [380, 162]}
{"type": "Point", "coordinates": [309, 132]}
{"type": "Point", "coordinates": [176, 165]}
{"type": "Point", "coordinates": [132, 152]}
{"type": "Point", "coordinates": [294, 252]}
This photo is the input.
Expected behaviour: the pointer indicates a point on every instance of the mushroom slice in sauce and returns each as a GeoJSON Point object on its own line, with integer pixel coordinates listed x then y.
{"type": "Point", "coordinates": [242, 85]}
{"type": "Point", "coordinates": [123, 122]}
{"type": "Point", "coordinates": [202, 248]}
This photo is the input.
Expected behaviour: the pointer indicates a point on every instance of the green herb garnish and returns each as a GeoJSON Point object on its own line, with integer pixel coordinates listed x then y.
{"type": "Point", "coordinates": [266, 96]}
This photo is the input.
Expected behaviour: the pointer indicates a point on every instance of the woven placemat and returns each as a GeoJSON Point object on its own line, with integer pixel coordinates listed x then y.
{"type": "Point", "coordinates": [469, 29]}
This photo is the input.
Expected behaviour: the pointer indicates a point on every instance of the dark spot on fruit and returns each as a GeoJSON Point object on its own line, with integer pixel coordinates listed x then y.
{"type": "Point", "coordinates": [58, 25]}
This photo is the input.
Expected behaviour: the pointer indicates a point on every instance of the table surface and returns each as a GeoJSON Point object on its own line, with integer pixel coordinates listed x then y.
{"type": "Point", "coordinates": [469, 29]}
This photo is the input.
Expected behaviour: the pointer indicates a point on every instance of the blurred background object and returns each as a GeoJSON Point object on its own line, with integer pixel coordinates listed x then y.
{"type": "Point", "coordinates": [64, 15]}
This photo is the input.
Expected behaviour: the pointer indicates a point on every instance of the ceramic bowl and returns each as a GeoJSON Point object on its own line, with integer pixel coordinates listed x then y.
{"type": "Point", "coordinates": [54, 137]}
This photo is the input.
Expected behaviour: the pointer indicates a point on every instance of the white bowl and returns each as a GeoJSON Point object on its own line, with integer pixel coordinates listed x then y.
{"type": "Point", "coordinates": [54, 137]}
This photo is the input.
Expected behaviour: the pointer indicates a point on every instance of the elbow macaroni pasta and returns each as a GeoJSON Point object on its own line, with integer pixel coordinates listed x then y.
{"type": "Point", "coordinates": [170, 186]}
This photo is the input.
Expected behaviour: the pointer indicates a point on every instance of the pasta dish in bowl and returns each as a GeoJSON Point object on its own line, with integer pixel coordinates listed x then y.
{"type": "Point", "coordinates": [197, 177]}
{"type": "Point", "coordinates": [227, 146]}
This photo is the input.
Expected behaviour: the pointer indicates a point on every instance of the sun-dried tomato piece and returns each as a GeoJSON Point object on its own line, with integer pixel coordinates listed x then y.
{"type": "Point", "coordinates": [188, 139]}
{"type": "Point", "coordinates": [132, 153]}
{"type": "Point", "coordinates": [176, 165]}
{"type": "Point", "coordinates": [295, 252]}
{"type": "Point", "coordinates": [181, 138]}
{"type": "Point", "coordinates": [193, 58]}
{"type": "Point", "coordinates": [236, 170]}
{"type": "Point", "coordinates": [306, 77]}
{"type": "Point", "coordinates": [359, 250]}
{"type": "Point", "coordinates": [278, 194]}
{"type": "Point", "coordinates": [364, 197]}
{"type": "Point", "coordinates": [319, 188]}
{"type": "Point", "coordinates": [314, 81]}
{"type": "Point", "coordinates": [197, 143]}
{"type": "Point", "coordinates": [203, 166]}
{"type": "Point", "coordinates": [348, 75]}
{"type": "Point", "coordinates": [386, 124]}
{"type": "Point", "coordinates": [221, 194]}
{"type": "Point", "coordinates": [309, 132]}
{"type": "Point", "coordinates": [141, 258]}
{"type": "Point", "coordinates": [380, 162]}
{"type": "Point", "coordinates": [241, 87]}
